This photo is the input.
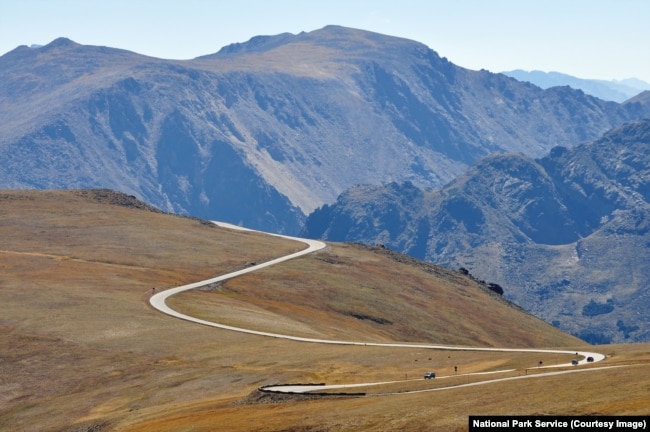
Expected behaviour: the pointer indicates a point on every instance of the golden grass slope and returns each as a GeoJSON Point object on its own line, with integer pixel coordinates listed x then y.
{"type": "Point", "coordinates": [82, 350]}
{"type": "Point", "coordinates": [350, 292]}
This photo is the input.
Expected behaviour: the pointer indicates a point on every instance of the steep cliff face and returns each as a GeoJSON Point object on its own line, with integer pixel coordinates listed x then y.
{"type": "Point", "coordinates": [567, 235]}
{"type": "Point", "coordinates": [264, 132]}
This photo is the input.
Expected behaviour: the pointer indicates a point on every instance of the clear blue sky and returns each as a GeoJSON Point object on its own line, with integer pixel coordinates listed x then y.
{"type": "Point", "coordinates": [603, 39]}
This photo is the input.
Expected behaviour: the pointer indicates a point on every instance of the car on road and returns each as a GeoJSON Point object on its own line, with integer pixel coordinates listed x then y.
{"type": "Point", "coordinates": [429, 375]}
{"type": "Point", "coordinates": [590, 359]}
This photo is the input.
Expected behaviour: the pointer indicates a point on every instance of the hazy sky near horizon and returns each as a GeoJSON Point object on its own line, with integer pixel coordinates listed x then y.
{"type": "Point", "coordinates": [597, 39]}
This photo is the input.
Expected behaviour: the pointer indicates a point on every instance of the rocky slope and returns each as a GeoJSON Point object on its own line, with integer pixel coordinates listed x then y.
{"type": "Point", "coordinates": [567, 235]}
{"type": "Point", "coordinates": [264, 132]}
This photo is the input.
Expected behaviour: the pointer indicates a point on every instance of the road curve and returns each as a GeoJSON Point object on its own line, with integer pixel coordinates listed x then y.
{"type": "Point", "coordinates": [158, 301]}
{"type": "Point", "coordinates": [288, 388]}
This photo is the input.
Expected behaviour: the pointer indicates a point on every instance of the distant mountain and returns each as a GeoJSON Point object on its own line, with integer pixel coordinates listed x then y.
{"type": "Point", "coordinates": [617, 91]}
{"type": "Point", "coordinates": [567, 236]}
{"type": "Point", "coordinates": [264, 132]}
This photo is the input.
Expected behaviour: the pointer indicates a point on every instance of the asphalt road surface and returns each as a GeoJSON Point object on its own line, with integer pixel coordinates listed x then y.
{"type": "Point", "coordinates": [158, 301]}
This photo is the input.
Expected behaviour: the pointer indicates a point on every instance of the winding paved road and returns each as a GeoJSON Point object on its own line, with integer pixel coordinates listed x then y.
{"type": "Point", "coordinates": [158, 301]}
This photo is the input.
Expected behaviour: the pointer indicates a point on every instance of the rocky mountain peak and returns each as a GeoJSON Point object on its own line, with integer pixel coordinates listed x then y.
{"type": "Point", "coordinates": [257, 44]}
{"type": "Point", "coordinates": [61, 42]}
{"type": "Point", "coordinates": [564, 234]}
{"type": "Point", "coordinates": [291, 120]}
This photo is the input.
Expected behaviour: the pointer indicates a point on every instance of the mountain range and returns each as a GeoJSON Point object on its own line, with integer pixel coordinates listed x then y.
{"type": "Point", "coordinates": [614, 90]}
{"type": "Point", "coordinates": [470, 169]}
{"type": "Point", "coordinates": [264, 132]}
{"type": "Point", "coordinates": [567, 236]}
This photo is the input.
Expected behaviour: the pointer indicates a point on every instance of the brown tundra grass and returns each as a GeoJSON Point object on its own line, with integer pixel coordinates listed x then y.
{"type": "Point", "coordinates": [82, 350]}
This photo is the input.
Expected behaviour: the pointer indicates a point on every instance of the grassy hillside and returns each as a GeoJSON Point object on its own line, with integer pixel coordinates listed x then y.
{"type": "Point", "coordinates": [82, 350]}
{"type": "Point", "coordinates": [364, 294]}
